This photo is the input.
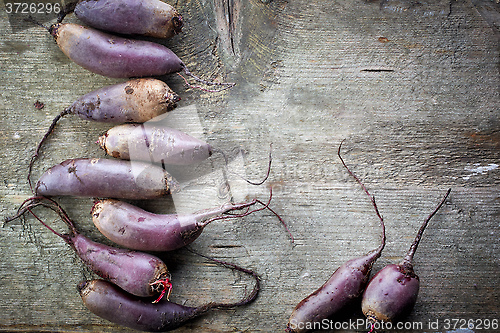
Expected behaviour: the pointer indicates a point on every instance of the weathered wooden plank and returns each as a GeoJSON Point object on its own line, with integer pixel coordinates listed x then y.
{"type": "Point", "coordinates": [412, 88]}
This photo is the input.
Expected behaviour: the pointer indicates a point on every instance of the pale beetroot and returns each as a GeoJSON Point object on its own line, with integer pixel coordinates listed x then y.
{"type": "Point", "coordinates": [155, 144]}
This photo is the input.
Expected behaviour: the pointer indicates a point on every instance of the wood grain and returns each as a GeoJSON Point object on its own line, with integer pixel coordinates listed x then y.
{"type": "Point", "coordinates": [413, 90]}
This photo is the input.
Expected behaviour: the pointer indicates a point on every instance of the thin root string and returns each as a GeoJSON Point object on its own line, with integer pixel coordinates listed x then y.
{"type": "Point", "coordinates": [230, 216]}
{"type": "Point", "coordinates": [372, 198]}
{"type": "Point", "coordinates": [280, 219]}
{"type": "Point", "coordinates": [248, 298]}
{"type": "Point", "coordinates": [37, 151]}
{"type": "Point", "coordinates": [62, 213]}
{"type": "Point", "coordinates": [205, 82]}
{"type": "Point", "coordinates": [32, 20]}
{"type": "Point", "coordinates": [413, 248]}
{"type": "Point", "coordinates": [257, 183]}
{"type": "Point", "coordinates": [167, 285]}
{"type": "Point", "coordinates": [45, 224]}
{"type": "Point", "coordinates": [33, 202]}
{"type": "Point", "coordinates": [266, 206]}
{"type": "Point", "coordinates": [20, 211]}
{"type": "Point", "coordinates": [233, 214]}
{"type": "Point", "coordinates": [248, 212]}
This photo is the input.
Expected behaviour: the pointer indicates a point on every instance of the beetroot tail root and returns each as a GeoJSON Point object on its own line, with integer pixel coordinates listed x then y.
{"type": "Point", "coordinates": [260, 182]}
{"type": "Point", "coordinates": [256, 183]}
{"type": "Point", "coordinates": [392, 292]}
{"type": "Point", "coordinates": [34, 157]}
{"type": "Point", "coordinates": [344, 286]}
{"type": "Point", "coordinates": [138, 273]}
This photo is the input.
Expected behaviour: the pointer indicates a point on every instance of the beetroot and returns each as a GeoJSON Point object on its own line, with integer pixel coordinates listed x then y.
{"type": "Point", "coordinates": [392, 292]}
{"type": "Point", "coordinates": [132, 101]}
{"type": "Point", "coordinates": [153, 18]}
{"type": "Point", "coordinates": [344, 286]}
{"type": "Point", "coordinates": [135, 228]}
{"type": "Point", "coordinates": [94, 177]}
{"type": "Point", "coordinates": [155, 144]}
{"type": "Point", "coordinates": [113, 56]}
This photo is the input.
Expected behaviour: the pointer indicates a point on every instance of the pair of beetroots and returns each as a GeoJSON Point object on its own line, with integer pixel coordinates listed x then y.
{"type": "Point", "coordinates": [119, 57]}
{"type": "Point", "coordinates": [122, 178]}
{"type": "Point", "coordinates": [126, 224]}
{"type": "Point", "coordinates": [390, 294]}
{"type": "Point", "coordinates": [138, 273]}
{"type": "Point", "coordinates": [109, 302]}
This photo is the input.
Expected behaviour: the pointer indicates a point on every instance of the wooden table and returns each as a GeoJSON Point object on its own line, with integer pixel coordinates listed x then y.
{"type": "Point", "coordinates": [413, 90]}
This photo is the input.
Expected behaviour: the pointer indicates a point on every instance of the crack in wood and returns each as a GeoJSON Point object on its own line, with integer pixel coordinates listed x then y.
{"type": "Point", "coordinates": [226, 16]}
{"type": "Point", "coordinates": [230, 23]}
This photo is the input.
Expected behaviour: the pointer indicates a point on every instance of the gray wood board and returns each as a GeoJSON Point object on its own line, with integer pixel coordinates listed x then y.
{"type": "Point", "coordinates": [412, 88]}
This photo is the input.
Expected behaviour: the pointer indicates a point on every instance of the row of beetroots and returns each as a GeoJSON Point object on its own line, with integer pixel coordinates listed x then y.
{"type": "Point", "coordinates": [135, 285]}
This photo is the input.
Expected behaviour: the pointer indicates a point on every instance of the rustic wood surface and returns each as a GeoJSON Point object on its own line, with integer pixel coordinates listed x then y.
{"type": "Point", "coordinates": [413, 90]}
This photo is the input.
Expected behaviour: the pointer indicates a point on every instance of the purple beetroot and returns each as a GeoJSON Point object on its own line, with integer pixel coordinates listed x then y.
{"type": "Point", "coordinates": [344, 286]}
{"type": "Point", "coordinates": [113, 56]}
{"type": "Point", "coordinates": [392, 292]}
{"type": "Point", "coordinates": [94, 177]}
{"type": "Point", "coordinates": [153, 18]}
{"type": "Point", "coordinates": [135, 228]}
